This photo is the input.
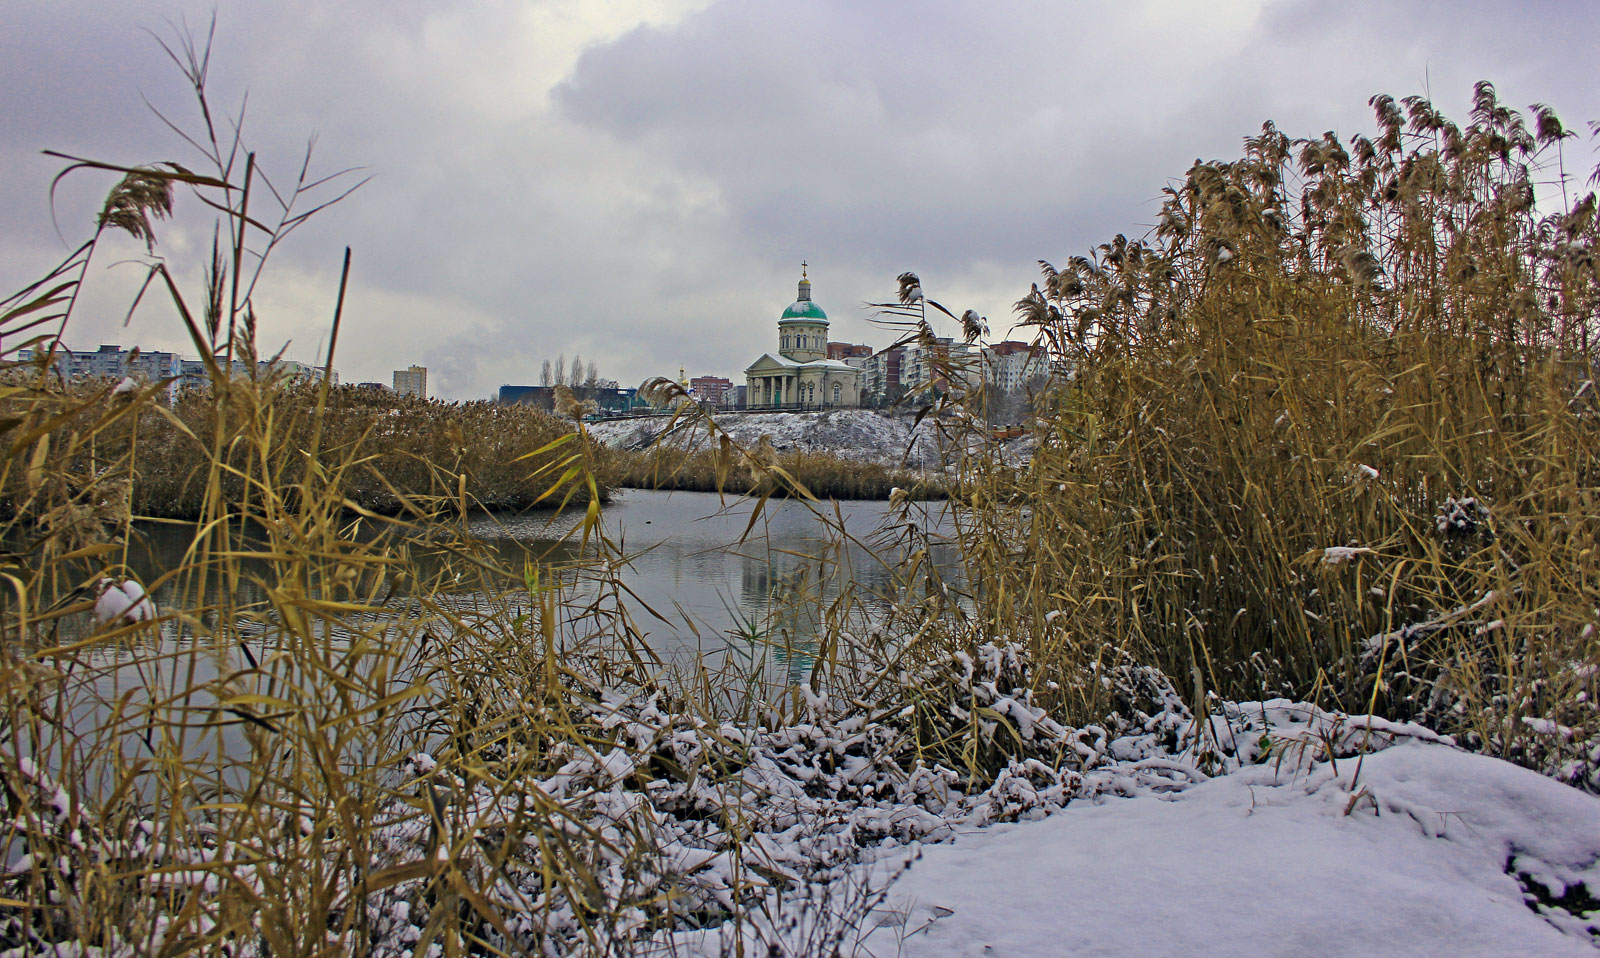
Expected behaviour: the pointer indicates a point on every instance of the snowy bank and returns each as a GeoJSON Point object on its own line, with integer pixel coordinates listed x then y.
{"type": "Point", "coordinates": [861, 435]}
{"type": "Point", "coordinates": [1418, 850]}
{"type": "Point", "coordinates": [1266, 828]}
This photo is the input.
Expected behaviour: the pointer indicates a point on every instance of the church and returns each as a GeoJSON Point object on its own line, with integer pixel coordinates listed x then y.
{"type": "Point", "coordinates": [801, 376]}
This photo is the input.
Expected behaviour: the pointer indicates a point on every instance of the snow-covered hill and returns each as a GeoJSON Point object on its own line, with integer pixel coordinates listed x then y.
{"type": "Point", "coordinates": [862, 435]}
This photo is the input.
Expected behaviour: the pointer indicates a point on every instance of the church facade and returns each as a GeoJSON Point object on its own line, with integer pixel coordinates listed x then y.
{"type": "Point", "coordinates": [800, 375]}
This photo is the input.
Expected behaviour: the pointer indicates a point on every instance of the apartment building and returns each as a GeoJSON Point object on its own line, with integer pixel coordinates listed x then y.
{"type": "Point", "coordinates": [114, 362]}
{"type": "Point", "coordinates": [712, 389]}
{"type": "Point", "coordinates": [412, 381]}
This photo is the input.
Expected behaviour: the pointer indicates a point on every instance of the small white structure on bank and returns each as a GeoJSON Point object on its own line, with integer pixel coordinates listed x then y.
{"type": "Point", "coordinates": [801, 376]}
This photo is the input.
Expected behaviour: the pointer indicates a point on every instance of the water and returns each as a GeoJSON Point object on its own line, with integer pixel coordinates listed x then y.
{"type": "Point", "coordinates": [697, 572]}
{"type": "Point", "coordinates": [702, 585]}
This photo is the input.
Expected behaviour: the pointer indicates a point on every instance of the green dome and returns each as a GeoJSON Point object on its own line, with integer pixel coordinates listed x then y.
{"type": "Point", "coordinates": [803, 309]}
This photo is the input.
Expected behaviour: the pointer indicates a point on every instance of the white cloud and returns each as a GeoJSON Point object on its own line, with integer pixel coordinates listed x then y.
{"type": "Point", "coordinates": [638, 183]}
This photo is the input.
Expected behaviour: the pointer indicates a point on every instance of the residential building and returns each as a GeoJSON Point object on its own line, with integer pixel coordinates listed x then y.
{"type": "Point", "coordinates": [713, 390]}
{"type": "Point", "coordinates": [880, 376]}
{"type": "Point", "coordinates": [1010, 365]}
{"type": "Point", "coordinates": [412, 381]}
{"type": "Point", "coordinates": [114, 362]}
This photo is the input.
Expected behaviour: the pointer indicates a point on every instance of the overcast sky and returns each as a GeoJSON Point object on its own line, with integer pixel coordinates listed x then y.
{"type": "Point", "coordinates": [639, 182]}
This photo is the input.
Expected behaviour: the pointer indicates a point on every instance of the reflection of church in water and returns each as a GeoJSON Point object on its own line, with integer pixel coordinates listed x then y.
{"type": "Point", "coordinates": [801, 376]}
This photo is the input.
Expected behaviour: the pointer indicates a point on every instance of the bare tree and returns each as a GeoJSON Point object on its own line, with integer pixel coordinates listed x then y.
{"type": "Point", "coordinates": [593, 376]}
{"type": "Point", "coordinates": [561, 370]}
{"type": "Point", "coordinates": [546, 378]}
{"type": "Point", "coordinates": [576, 378]}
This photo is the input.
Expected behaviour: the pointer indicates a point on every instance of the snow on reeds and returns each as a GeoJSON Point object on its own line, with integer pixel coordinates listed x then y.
{"type": "Point", "coordinates": [1329, 431]}
{"type": "Point", "coordinates": [354, 729]}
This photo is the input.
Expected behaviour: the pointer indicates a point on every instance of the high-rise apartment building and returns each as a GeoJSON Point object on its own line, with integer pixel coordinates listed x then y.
{"type": "Point", "coordinates": [412, 381]}
{"type": "Point", "coordinates": [712, 389]}
{"type": "Point", "coordinates": [114, 362]}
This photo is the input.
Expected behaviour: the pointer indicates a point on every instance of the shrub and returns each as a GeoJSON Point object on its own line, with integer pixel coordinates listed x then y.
{"type": "Point", "coordinates": [1279, 402]}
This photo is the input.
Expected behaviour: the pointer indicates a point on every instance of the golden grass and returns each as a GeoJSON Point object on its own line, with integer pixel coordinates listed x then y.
{"type": "Point", "coordinates": [1256, 477]}
{"type": "Point", "coordinates": [823, 475]}
{"type": "Point", "coordinates": [1330, 432]}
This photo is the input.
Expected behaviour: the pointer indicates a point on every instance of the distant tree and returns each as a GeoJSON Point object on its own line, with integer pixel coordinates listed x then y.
{"type": "Point", "coordinates": [576, 378]}
{"type": "Point", "coordinates": [1006, 406]}
{"type": "Point", "coordinates": [561, 370]}
{"type": "Point", "coordinates": [546, 378]}
{"type": "Point", "coordinates": [592, 376]}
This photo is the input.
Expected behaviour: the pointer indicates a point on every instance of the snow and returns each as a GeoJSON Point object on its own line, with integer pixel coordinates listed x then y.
{"type": "Point", "coordinates": [1338, 555]}
{"type": "Point", "coordinates": [1256, 828]}
{"type": "Point", "coordinates": [862, 435]}
{"type": "Point", "coordinates": [122, 601]}
{"type": "Point", "coordinates": [1403, 853]}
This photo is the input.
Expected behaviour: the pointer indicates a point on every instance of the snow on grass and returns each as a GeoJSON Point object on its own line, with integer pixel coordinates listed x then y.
{"type": "Point", "coordinates": [1261, 828]}
{"type": "Point", "coordinates": [862, 435]}
{"type": "Point", "coordinates": [1319, 833]}
{"type": "Point", "coordinates": [1417, 850]}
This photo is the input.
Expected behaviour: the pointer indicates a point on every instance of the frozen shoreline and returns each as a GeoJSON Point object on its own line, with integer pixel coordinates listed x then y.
{"type": "Point", "coordinates": [862, 435]}
{"type": "Point", "coordinates": [1267, 828]}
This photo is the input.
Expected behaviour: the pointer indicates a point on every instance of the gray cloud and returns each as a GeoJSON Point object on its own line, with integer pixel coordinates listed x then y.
{"type": "Point", "coordinates": [548, 178]}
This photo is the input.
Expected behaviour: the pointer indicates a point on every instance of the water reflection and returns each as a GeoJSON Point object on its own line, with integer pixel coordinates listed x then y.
{"type": "Point", "coordinates": [707, 585]}
{"type": "Point", "coordinates": [703, 584]}
{"type": "Point", "coordinates": [697, 570]}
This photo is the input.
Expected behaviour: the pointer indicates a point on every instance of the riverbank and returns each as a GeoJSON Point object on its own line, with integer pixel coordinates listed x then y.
{"type": "Point", "coordinates": [891, 440]}
{"type": "Point", "coordinates": [840, 454]}
{"type": "Point", "coordinates": [830, 831]}
{"type": "Point", "coordinates": [823, 475]}
{"type": "Point", "coordinates": [149, 457]}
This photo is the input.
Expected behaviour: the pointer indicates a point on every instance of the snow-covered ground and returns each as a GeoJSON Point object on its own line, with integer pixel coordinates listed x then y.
{"type": "Point", "coordinates": [1405, 853]}
{"type": "Point", "coordinates": [1316, 833]}
{"type": "Point", "coordinates": [859, 434]}
{"type": "Point", "coordinates": [1265, 828]}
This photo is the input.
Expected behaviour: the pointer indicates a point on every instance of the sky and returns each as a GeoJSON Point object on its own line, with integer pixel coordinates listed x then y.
{"type": "Point", "coordinates": [638, 182]}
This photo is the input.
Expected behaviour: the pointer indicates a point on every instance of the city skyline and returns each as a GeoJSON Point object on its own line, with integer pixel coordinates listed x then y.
{"type": "Point", "coordinates": [640, 185]}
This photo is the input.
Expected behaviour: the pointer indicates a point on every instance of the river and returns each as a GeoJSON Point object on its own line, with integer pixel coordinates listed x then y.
{"type": "Point", "coordinates": [702, 585]}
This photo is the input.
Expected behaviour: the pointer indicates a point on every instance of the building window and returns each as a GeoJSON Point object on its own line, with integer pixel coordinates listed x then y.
{"type": "Point", "coordinates": [836, 390]}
